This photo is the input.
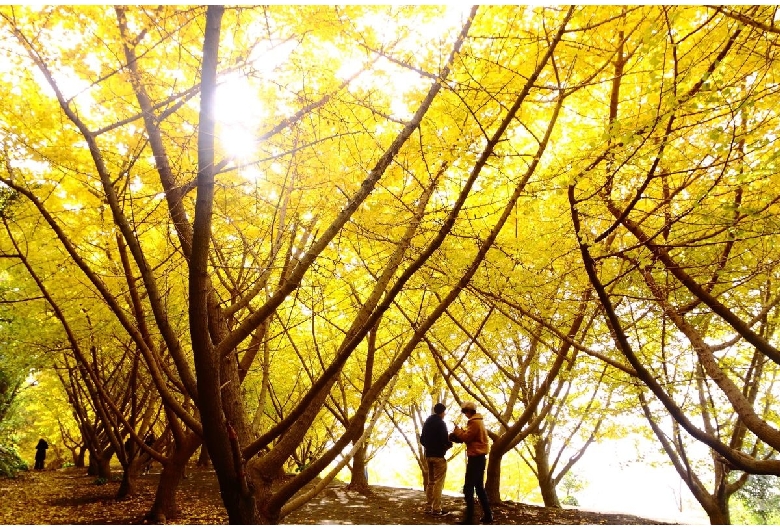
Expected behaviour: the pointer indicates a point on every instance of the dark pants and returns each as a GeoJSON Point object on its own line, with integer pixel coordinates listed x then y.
{"type": "Point", "coordinates": [475, 481]}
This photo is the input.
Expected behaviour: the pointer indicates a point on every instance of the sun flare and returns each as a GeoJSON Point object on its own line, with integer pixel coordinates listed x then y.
{"type": "Point", "coordinates": [239, 112]}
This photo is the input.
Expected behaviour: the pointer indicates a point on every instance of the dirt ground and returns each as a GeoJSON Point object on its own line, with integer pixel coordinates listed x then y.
{"type": "Point", "coordinates": [69, 496]}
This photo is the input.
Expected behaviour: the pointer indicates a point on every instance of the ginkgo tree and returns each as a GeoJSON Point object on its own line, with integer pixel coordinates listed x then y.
{"type": "Point", "coordinates": [260, 202]}
{"type": "Point", "coordinates": [220, 446]}
{"type": "Point", "coordinates": [681, 203]}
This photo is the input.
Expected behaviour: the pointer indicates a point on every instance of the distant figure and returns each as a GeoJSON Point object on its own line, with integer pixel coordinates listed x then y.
{"type": "Point", "coordinates": [149, 441]}
{"type": "Point", "coordinates": [435, 439]}
{"type": "Point", "coordinates": [476, 439]}
{"type": "Point", "coordinates": [40, 453]}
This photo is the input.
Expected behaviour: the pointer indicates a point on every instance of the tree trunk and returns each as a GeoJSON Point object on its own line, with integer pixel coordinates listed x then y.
{"type": "Point", "coordinates": [237, 495]}
{"type": "Point", "coordinates": [544, 474]}
{"type": "Point", "coordinates": [719, 517]}
{"type": "Point", "coordinates": [493, 476]}
{"type": "Point", "coordinates": [104, 467]}
{"type": "Point", "coordinates": [220, 401]}
{"type": "Point", "coordinates": [226, 430]}
{"type": "Point", "coordinates": [92, 469]}
{"type": "Point", "coordinates": [128, 488]}
{"type": "Point", "coordinates": [79, 457]}
{"type": "Point", "coordinates": [717, 507]}
{"type": "Point", "coordinates": [203, 459]}
{"type": "Point", "coordinates": [359, 481]}
{"type": "Point", "coordinates": [547, 488]}
{"type": "Point", "coordinates": [165, 507]}
{"type": "Point", "coordinates": [100, 466]}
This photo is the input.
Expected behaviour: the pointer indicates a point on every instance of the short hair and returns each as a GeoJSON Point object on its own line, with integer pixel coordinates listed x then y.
{"type": "Point", "coordinates": [468, 406]}
{"type": "Point", "coordinates": [438, 408]}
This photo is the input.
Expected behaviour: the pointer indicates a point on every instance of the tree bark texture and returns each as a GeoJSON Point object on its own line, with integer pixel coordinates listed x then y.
{"type": "Point", "coordinates": [165, 506]}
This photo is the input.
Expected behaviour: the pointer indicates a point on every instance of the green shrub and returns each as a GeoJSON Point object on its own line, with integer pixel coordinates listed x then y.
{"type": "Point", "coordinates": [570, 501]}
{"type": "Point", "coordinates": [10, 462]}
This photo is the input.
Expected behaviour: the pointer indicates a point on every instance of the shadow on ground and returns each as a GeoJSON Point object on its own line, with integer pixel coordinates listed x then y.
{"type": "Point", "coordinates": [69, 496]}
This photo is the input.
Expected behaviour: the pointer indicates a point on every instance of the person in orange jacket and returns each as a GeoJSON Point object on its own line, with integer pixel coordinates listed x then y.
{"type": "Point", "coordinates": [477, 445]}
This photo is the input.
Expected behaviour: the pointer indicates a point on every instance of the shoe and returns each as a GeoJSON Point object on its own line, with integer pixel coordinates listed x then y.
{"type": "Point", "coordinates": [439, 513]}
{"type": "Point", "coordinates": [486, 520]}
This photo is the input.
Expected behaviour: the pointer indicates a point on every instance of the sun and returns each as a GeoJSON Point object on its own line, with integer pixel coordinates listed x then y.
{"type": "Point", "coordinates": [238, 112]}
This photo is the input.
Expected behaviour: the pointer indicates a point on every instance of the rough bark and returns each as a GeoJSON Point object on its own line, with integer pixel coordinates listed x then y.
{"type": "Point", "coordinates": [359, 480]}
{"type": "Point", "coordinates": [493, 476]}
{"type": "Point", "coordinates": [717, 504]}
{"type": "Point", "coordinates": [165, 506]}
{"type": "Point", "coordinates": [544, 474]}
{"type": "Point", "coordinates": [127, 488]}
{"type": "Point", "coordinates": [103, 465]}
{"type": "Point", "coordinates": [220, 402]}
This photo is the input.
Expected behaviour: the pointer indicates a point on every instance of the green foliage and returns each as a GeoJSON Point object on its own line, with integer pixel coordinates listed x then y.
{"type": "Point", "coordinates": [9, 386]}
{"type": "Point", "coordinates": [10, 462]}
{"type": "Point", "coordinates": [570, 501]}
{"type": "Point", "coordinates": [758, 502]}
{"type": "Point", "coordinates": [40, 409]}
{"type": "Point", "coordinates": [572, 484]}
{"type": "Point", "coordinates": [26, 337]}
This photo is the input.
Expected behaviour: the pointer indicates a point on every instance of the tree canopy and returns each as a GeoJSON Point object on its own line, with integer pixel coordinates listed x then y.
{"type": "Point", "coordinates": [275, 231]}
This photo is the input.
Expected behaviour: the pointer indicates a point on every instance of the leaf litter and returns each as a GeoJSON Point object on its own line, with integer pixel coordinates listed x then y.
{"type": "Point", "coordinates": [70, 496]}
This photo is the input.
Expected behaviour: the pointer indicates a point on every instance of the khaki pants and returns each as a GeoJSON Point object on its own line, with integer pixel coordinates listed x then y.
{"type": "Point", "coordinates": [437, 469]}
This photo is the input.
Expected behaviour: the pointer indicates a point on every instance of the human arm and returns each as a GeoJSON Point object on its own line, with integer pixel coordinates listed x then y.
{"type": "Point", "coordinates": [469, 434]}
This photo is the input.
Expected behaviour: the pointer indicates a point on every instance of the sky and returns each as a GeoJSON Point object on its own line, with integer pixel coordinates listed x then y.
{"type": "Point", "coordinates": [617, 482]}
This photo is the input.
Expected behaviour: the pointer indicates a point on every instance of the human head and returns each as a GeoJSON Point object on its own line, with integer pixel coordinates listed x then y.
{"type": "Point", "coordinates": [468, 408]}
{"type": "Point", "coordinates": [439, 408]}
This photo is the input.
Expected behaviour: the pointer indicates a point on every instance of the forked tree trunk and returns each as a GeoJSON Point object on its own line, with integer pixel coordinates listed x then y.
{"type": "Point", "coordinates": [127, 488]}
{"type": "Point", "coordinates": [720, 515]}
{"type": "Point", "coordinates": [100, 465]}
{"type": "Point", "coordinates": [220, 401]}
{"type": "Point", "coordinates": [165, 507]}
{"type": "Point", "coordinates": [717, 505]}
{"type": "Point", "coordinates": [544, 475]}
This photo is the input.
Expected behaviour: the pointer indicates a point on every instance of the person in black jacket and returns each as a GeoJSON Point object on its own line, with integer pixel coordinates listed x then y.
{"type": "Point", "coordinates": [435, 440]}
{"type": "Point", "coordinates": [148, 441]}
{"type": "Point", "coordinates": [40, 453]}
